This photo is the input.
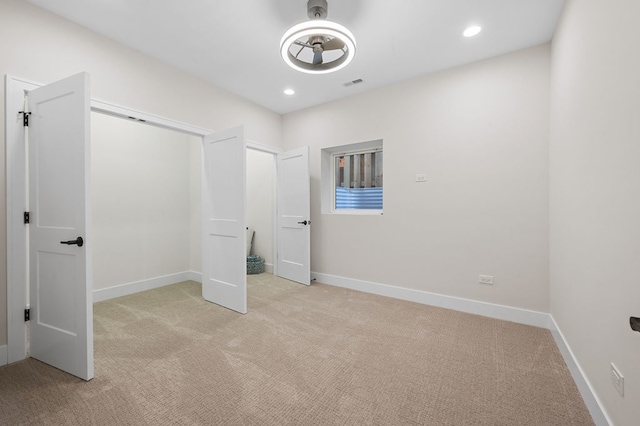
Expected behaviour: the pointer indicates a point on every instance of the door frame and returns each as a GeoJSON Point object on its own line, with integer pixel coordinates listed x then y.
{"type": "Point", "coordinates": [254, 146]}
{"type": "Point", "coordinates": [16, 198]}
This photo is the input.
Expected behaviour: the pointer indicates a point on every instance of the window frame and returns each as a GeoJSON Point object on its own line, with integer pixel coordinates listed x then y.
{"type": "Point", "coordinates": [328, 176]}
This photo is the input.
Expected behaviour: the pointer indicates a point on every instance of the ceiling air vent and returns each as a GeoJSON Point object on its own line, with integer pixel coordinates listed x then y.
{"type": "Point", "coordinates": [352, 82]}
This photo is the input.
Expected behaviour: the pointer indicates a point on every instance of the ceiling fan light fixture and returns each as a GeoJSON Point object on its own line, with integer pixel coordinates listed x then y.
{"type": "Point", "coordinates": [313, 38]}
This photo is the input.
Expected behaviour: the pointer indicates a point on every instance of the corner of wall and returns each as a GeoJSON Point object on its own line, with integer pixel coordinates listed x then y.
{"type": "Point", "coordinates": [4, 355]}
{"type": "Point", "coordinates": [587, 391]}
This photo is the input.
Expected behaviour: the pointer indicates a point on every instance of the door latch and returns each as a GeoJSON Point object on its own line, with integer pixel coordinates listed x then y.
{"type": "Point", "coordinates": [79, 241]}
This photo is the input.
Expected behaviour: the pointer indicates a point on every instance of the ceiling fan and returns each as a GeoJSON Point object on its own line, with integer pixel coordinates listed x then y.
{"type": "Point", "coordinates": [318, 46]}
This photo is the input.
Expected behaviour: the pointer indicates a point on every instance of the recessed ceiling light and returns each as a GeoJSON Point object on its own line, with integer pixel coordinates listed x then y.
{"type": "Point", "coordinates": [471, 31]}
{"type": "Point", "coordinates": [289, 92]}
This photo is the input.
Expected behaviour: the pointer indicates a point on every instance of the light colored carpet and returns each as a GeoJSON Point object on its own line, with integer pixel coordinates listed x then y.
{"type": "Point", "coordinates": [317, 355]}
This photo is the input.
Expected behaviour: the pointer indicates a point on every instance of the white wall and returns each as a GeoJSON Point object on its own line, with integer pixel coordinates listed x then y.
{"type": "Point", "coordinates": [480, 133]}
{"type": "Point", "coordinates": [260, 193]}
{"type": "Point", "coordinates": [195, 201]}
{"type": "Point", "coordinates": [146, 189]}
{"type": "Point", "coordinates": [141, 187]}
{"type": "Point", "coordinates": [260, 197]}
{"type": "Point", "coordinates": [37, 45]}
{"type": "Point", "coordinates": [595, 194]}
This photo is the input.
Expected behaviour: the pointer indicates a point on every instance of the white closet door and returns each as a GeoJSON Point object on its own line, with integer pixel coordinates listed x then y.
{"type": "Point", "coordinates": [224, 279]}
{"type": "Point", "coordinates": [294, 216]}
{"type": "Point", "coordinates": [59, 255]}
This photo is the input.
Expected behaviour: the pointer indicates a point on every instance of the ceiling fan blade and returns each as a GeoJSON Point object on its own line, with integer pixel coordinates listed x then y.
{"type": "Point", "coordinates": [333, 44]}
{"type": "Point", "coordinates": [317, 57]}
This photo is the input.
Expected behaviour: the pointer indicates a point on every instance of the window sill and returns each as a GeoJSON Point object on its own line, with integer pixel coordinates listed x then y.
{"type": "Point", "coordinates": [357, 212]}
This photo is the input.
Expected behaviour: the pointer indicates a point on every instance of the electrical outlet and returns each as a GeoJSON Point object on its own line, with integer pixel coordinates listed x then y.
{"type": "Point", "coordinates": [485, 279]}
{"type": "Point", "coordinates": [421, 177]}
{"type": "Point", "coordinates": [618, 379]}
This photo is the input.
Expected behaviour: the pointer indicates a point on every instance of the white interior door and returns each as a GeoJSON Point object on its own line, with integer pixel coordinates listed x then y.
{"type": "Point", "coordinates": [294, 216]}
{"type": "Point", "coordinates": [224, 267]}
{"type": "Point", "coordinates": [61, 327]}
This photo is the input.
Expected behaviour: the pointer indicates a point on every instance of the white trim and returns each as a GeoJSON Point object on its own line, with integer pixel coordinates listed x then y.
{"type": "Point", "coordinates": [148, 284]}
{"type": "Point", "coordinates": [4, 356]}
{"type": "Point", "coordinates": [594, 405]}
{"type": "Point", "coordinates": [194, 276]}
{"type": "Point", "coordinates": [142, 285]}
{"type": "Point", "coordinates": [197, 276]}
{"type": "Point", "coordinates": [263, 148]}
{"type": "Point", "coordinates": [156, 120]}
{"type": "Point", "coordinates": [327, 176]}
{"type": "Point", "coordinates": [274, 225]}
{"type": "Point", "coordinates": [508, 313]}
{"type": "Point", "coordinates": [30, 84]}
{"type": "Point", "coordinates": [359, 212]}
{"type": "Point", "coordinates": [15, 175]}
{"type": "Point", "coordinates": [16, 202]}
{"type": "Point", "coordinates": [276, 233]}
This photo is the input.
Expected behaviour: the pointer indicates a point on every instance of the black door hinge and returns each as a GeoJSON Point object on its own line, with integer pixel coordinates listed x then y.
{"type": "Point", "coordinates": [27, 314]}
{"type": "Point", "coordinates": [26, 218]}
{"type": "Point", "coordinates": [25, 118]}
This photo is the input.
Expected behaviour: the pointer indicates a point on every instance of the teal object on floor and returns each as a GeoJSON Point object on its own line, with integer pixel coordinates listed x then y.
{"type": "Point", "coordinates": [255, 265]}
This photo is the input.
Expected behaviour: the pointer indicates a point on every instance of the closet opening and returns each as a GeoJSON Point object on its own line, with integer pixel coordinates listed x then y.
{"type": "Point", "coordinates": [146, 205]}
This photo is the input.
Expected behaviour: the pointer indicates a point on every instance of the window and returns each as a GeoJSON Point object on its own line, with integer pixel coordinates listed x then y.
{"type": "Point", "coordinates": [352, 178]}
{"type": "Point", "coordinates": [358, 180]}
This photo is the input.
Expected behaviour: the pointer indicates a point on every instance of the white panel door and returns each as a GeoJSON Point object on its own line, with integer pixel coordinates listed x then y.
{"type": "Point", "coordinates": [61, 327]}
{"type": "Point", "coordinates": [224, 257]}
{"type": "Point", "coordinates": [294, 216]}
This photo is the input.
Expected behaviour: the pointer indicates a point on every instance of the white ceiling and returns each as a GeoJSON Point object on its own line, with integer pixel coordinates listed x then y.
{"type": "Point", "coordinates": [234, 44]}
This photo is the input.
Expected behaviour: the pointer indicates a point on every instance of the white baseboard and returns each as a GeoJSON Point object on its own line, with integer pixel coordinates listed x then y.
{"type": "Point", "coordinates": [138, 286]}
{"type": "Point", "coordinates": [599, 415]}
{"type": "Point", "coordinates": [508, 313]}
{"type": "Point", "coordinates": [195, 276]}
{"type": "Point", "coordinates": [148, 284]}
{"type": "Point", "coordinates": [4, 355]}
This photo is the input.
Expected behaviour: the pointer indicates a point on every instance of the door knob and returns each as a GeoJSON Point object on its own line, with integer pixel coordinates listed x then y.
{"type": "Point", "coordinates": [304, 222]}
{"type": "Point", "coordinates": [79, 241]}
